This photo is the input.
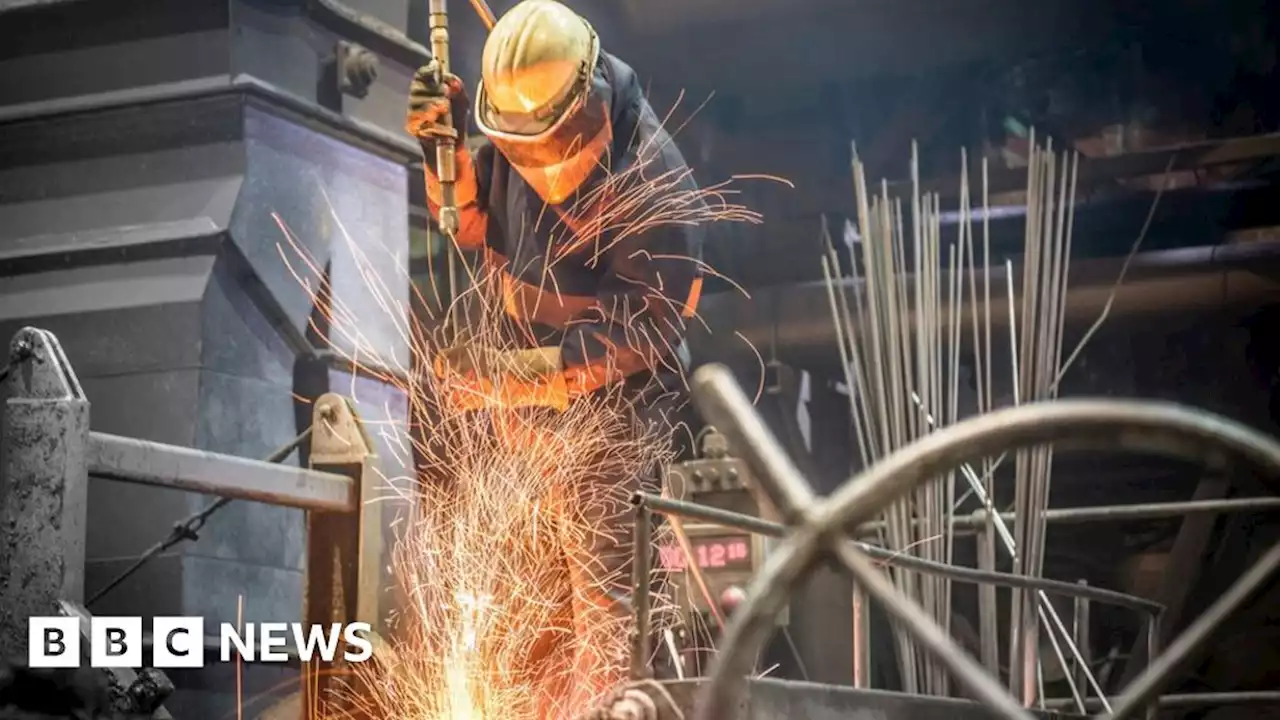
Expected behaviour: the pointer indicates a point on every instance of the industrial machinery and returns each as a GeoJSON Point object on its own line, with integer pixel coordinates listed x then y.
{"type": "Point", "coordinates": [725, 557]}
{"type": "Point", "coordinates": [820, 528]}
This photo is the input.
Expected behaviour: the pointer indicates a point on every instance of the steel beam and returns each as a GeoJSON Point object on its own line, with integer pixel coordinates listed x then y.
{"type": "Point", "coordinates": [143, 462]}
{"type": "Point", "coordinates": [44, 486]}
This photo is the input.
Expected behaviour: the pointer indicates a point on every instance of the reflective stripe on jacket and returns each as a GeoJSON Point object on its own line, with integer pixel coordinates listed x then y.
{"type": "Point", "coordinates": [613, 292]}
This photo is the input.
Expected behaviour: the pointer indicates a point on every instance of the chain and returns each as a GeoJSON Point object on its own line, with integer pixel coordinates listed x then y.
{"type": "Point", "coordinates": [188, 529]}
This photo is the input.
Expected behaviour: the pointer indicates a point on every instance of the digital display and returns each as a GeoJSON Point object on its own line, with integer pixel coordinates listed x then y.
{"type": "Point", "coordinates": [712, 552]}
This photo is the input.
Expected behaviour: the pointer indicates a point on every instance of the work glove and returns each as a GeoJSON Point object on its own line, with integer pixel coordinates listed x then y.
{"type": "Point", "coordinates": [522, 365]}
{"type": "Point", "coordinates": [503, 380]}
{"type": "Point", "coordinates": [431, 95]}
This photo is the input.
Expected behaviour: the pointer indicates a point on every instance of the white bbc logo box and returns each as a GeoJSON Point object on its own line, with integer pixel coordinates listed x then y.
{"type": "Point", "coordinates": [178, 642]}
{"type": "Point", "coordinates": [115, 642]}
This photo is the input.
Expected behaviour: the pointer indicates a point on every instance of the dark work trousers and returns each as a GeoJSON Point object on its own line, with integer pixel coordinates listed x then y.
{"type": "Point", "coordinates": [654, 406]}
{"type": "Point", "coordinates": [597, 599]}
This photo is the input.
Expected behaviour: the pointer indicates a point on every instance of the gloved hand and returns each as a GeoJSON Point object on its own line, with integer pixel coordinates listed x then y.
{"type": "Point", "coordinates": [522, 365]}
{"type": "Point", "coordinates": [429, 100]}
{"type": "Point", "coordinates": [503, 380]}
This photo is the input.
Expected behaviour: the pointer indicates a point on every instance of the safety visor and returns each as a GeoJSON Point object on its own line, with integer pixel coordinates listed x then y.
{"type": "Point", "coordinates": [555, 152]}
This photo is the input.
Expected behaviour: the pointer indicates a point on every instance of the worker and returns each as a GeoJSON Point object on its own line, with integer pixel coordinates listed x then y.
{"type": "Point", "coordinates": [602, 305]}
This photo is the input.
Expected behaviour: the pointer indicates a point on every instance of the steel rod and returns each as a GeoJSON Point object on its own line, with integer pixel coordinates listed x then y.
{"type": "Point", "coordinates": [1062, 661]}
{"type": "Point", "coordinates": [738, 521]}
{"type": "Point", "coordinates": [988, 609]}
{"type": "Point", "coordinates": [1115, 513]}
{"type": "Point", "coordinates": [142, 462]}
{"type": "Point", "coordinates": [640, 579]}
{"type": "Point", "coordinates": [1153, 651]}
{"type": "Point", "coordinates": [1187, 700]}
{"type": "Point", "coordinates": [861, 640]}
{"type": "Point", "coordinates": [1080, 626]}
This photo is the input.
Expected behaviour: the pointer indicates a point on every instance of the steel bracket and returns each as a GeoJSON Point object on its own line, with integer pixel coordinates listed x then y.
{"type": "Point", "coordinates": [344, 550]}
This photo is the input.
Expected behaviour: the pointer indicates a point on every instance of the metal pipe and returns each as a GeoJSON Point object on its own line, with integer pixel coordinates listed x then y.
{"type": "Point", "coordinates": [976, 520]}
{"type": "Point", "coordinates": [142, 462]}
{"type": "Point", "coordinates": [642, 546]}
{"type": "Point", "coordinates": [988, 610]}
{"type": "Point", "coordinates": [861, 640]}
{"type": "Point", "coordinates": [1187, 700]}
{"type": "Point", "coordinates": [738, 521]}
{"type": "Point", "coordinates": [1163, 668]}
{"type": "Point", "coordinates": [1155, 511]}
{"type": "Point", "coordinates": [1158, 284]}
{"type": "Point", "coordinates": [1080, 625]}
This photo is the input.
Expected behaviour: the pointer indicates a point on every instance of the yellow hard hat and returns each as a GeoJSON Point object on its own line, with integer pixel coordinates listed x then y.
{"type": "Point", "coordinates": [541, 101]}
{"type": "Point", "coordinates": [534, 60]}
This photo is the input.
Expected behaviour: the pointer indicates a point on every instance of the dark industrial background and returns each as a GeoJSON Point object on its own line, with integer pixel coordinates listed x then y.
{"type": "Point", "coordinates": [146, 144]}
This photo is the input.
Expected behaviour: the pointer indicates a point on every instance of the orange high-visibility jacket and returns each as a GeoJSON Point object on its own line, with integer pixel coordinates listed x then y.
{"type": "Point", "coordinates": [602, 275]}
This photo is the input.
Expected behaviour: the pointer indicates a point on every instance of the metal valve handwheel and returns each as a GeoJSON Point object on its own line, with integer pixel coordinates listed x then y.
{"type": "Point", "coordinates": [819, 525]}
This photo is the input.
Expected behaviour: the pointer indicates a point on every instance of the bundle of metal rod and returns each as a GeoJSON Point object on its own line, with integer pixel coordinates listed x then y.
{"type": "Point", "coordinates": [1046, 260]}
{"type": "Point", "coordinates": [903, 384]}
{"type": "Point", "coordinates": [900, 344]}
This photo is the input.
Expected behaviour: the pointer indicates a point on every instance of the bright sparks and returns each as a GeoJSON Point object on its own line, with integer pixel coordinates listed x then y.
{"type": "Point", "coordinates": [509, 572]}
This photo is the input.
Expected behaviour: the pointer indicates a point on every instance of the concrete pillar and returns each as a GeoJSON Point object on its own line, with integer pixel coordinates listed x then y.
{"type": "Point", "coordinates": [44, 432]}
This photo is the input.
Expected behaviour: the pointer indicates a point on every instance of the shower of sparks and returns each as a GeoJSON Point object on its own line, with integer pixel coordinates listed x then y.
{"type": "Point", "coordinates": [505, 611]}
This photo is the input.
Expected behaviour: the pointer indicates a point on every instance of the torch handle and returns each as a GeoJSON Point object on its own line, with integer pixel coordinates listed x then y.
{"type": "Point", "coordinates": [446, 167]}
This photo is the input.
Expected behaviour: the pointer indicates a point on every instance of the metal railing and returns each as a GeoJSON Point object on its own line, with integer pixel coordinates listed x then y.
{"type": "Point", "coordinates": [821, 527]}
{"type": "Point", "coordinates": [48, 455]}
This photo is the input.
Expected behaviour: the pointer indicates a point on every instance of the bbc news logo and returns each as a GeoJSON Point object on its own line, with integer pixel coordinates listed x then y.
{"type": "Point", "coordinates": [178, 642]}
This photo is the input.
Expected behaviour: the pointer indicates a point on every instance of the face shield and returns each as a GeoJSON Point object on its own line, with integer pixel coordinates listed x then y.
{"type": "Point", "coordinates": [558, 148]}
